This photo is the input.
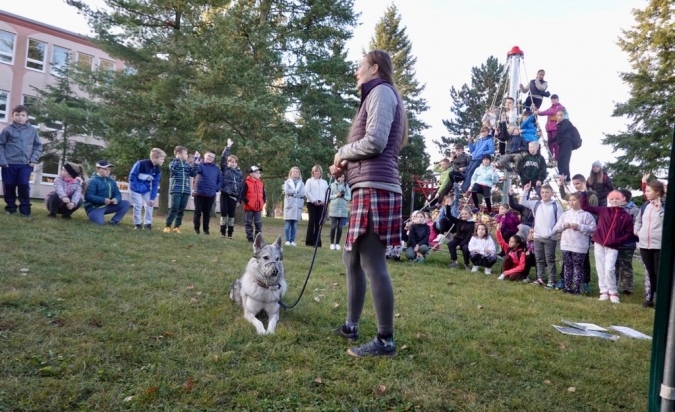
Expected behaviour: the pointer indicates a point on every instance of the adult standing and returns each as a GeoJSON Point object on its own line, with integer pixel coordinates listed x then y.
{"type": "Point", "coordinates": [649, 228]}
{"type": "Point", "coordinates": [315, 192]}
{"type": "Point", "coordinates": [536, 90]}
{"type": "Point", "coordinates": [20, 150]}
{"type": "Point", "coordinates": [340, 195]}
{"type": "Point", "coordinates": [370, 160]}
{"type": "Point", "coordinates": [565, 139]}
{"type": "Point", "coordinates": [294, 192]}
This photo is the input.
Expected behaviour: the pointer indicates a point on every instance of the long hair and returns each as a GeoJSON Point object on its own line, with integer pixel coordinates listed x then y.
{"type": "Point", "coordinates": [385, 70]}
{"type": "Point", "coordinates": [595, 178]}
{"type": "Point", "coordinates": [291, 171]}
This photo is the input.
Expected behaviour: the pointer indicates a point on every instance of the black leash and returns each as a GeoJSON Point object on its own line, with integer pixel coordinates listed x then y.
{"type": "Point", "coordinates": [316, 247]}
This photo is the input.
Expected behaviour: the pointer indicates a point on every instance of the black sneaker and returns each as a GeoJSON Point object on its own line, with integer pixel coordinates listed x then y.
{"type": "Point", "coordinates": [51, 215]}
{"type": "Point", "coordinates": [373, 348]}
{"type": "Point", "coordinates": [136, 227]}
{"type": "Point", "coordinates": [113, 223]}
{"type": "Point", "coordinates": [350, 336]}
{"type": "Point", "coordinates": [148, 227]}
{"type": "Point", "coordinates": [206, 233]}
{"type": "Point", "coordinates": [197, 232]}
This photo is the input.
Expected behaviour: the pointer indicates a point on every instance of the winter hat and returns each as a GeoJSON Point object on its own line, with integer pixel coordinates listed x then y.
{"type": "Point", "coordinates": [71, 170]}
{"type": "Point", "coordinates": [597, 163]}
{"type": "Point", "coordinates": [254, 169]}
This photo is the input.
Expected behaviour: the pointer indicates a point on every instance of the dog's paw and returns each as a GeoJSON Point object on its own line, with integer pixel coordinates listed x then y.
{"type": "Point", "coordinates": [269, 332]}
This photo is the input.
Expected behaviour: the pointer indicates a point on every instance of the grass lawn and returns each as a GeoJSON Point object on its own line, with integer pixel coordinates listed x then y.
{"type": "Point", "coordinates": [110, 319]}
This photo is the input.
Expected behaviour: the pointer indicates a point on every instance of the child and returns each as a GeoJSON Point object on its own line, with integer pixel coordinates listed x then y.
{"type": "Point", "coordinates": [143, 184]}
{"type": "Point", "coordinates": [599, 182]}
{"type": "Point", "coordinates": [20, 150]}
{"type": "Point", "coordinates": [103, 197]}
{"type": "Point", "coordinates": [67, 195]}
{"type": "Point", "coordinates": [508, 221]}
{"type": "Point", "coordinates": [482, 249]}
{"type": "Point", "coordinates": [552, 124]}
{"type": "Point", "coordinates": [433, 234]}
{"type": "Point", "coordinates": [294, 191]}
{"type": "Point", "coordinates": [463, 229]}
{"type": "Point", "coordinates": [443, 222]}
{"type": "Point", "coordinates": [208, 182]}
{"type": "Point", "coordinates": [460, 162]}
{"type": "Point", "coordinates": [576, 227]}
{"type": "Point", "coordinates": [533, 168]}
{"type": "Point", "coordinates": [340, 195]}
{"type": "Point", "coordinates": [614, 227]}
{"type": "Point", "coordinates": [515, 145]}
{"type": "Point", "coordinates": [484, 177]}
{"type": "Point", "coordinates": [528, 129]}
{"type": "Point", "coordinates": [484, 145]}
{"type": "Point", "coordinates": [180, 172]}
{"type": "Point", "coordinates": [443, 169]}
{"type": "Point", "coordinates": [230, 190]}
{"type": "Point", "coordinates": [624, 260]}
{"type": "Point", "coordinates": [515, 257]}
{"type": "Point", "coordinates": [253, 197]}
{"type": "Point", "coordinates": [418, 238]}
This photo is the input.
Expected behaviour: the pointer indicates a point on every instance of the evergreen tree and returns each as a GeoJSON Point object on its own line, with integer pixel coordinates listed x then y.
{"type": "Point", "coordinates": [391, 37]}
{"type": "Point", "coordinates": [471, 102]}
{"type": "Point", "coordinates": [645, 145]}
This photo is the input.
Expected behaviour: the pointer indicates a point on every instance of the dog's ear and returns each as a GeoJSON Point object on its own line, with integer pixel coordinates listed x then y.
{"type": "Point", "coordinates": [278, 243]}
{"type": "Point", "coordinates": [258, 244]}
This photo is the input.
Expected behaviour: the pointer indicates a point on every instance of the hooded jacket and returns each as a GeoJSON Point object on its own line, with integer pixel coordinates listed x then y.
{"type": "Point", "coordinates": [649, 226]}
{"type": "Point", "coordinates": [614, 224]}
{"type": "Point", "coordinates": [99, 189]}
{"type": "Point", "coordinates": [19, 144]}
{"type": "Point", "coordinates": [233, 179]}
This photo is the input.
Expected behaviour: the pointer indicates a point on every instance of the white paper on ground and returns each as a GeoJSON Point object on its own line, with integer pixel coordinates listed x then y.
{"type": "Point", "coordinates": [581, 332]}
{"type": "Point", "coordinates": [584, 326]}
{"type": "Point", "coordinates": [630, 332]}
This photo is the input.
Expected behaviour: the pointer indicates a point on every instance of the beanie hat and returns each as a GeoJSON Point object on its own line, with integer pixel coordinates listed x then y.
{"type": "Point", "coordinates": [597, 163]}
{"type": "Point", "coordinates": [71, 170]}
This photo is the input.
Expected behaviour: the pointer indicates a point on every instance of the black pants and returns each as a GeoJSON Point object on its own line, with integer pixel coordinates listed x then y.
{"type": "Point", "coordinates": [452, 247]}
{"type": "Point", "coordinates": [56, 206]}
{"type": "Point", "coordinates": [564, 157]}
{"type": "Point", "coordinates": [314, 224]}
{"type": "Point", "coordinates": [650, 257]}
{"type": "Point", "coordinates": [203, 206]}
{"type": "Point", "coordinates": [485, 191]}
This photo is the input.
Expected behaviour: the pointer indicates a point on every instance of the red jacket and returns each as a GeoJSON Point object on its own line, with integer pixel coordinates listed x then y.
{"type": "Point", "coordinates": [615, 225]}
{"type": "Point", "coordinates": [517, 256]}
{"type": "Point", "coordinates": [253, 195]}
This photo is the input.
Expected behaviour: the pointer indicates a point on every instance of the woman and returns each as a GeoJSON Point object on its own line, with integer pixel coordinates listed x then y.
{"type": "Point", "coordinates": [370, 160]}
{"type": "Point", "coordinates": [649, 228]}
{"type": "Point", "coordinates": [315, 192]}
{"type": "Point", "coordinates": [294, 191]}
{"type": "Point", "coordinates": [565, 139]}
{"type": "Point", "coordinates": [600, 182]}
{"type": "Point", "coordinates": [340, 195]}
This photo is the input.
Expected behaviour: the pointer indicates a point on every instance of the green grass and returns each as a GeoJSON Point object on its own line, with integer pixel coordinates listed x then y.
{"type": "Point", "coordinates": [113, 319]}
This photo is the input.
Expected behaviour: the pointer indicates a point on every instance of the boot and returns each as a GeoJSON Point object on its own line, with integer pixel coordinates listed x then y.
{"type": "Point", "coordinates": [230, 230]}
{"type": "Point", "coordinates": [222, 230]}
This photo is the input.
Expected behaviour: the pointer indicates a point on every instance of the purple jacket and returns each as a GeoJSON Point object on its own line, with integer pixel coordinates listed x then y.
{"type": "Point", "coordinates": [375, 140]}
{"type": "Point", "coordinates": [509, 222]}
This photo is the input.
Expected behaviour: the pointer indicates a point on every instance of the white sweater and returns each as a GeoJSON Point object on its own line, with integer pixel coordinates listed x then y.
{"type": "Point", "coordinates": [478, 245]}
{"type": "Point", "coordinates": [575, 240]}
{"type": "Point", "coordinates": [315, 189]}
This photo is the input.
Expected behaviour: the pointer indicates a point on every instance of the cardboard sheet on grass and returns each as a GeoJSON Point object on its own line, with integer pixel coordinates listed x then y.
{"type": "Point", "coordinates": [593, 330]}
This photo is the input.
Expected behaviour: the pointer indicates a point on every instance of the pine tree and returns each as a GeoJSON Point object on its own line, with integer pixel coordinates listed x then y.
{"type": "Point", "coordinates": [645, 145]}
{"type": "Point", "coordinates": [471, 102]}
{"type": "Point", "coordinates": [391, 37]}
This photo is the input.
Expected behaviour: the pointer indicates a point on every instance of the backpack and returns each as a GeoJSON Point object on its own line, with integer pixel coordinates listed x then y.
{"type": "Point", "coordinates": [555, 211]}
{"type": "Point", "coordinates": [576, 138]}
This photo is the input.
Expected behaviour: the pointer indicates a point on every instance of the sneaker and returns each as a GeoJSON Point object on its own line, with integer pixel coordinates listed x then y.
{"type": "Point", "coordinates": [614, 298]}
{"type": "Point", "coordinates": [501, 277]}
{"type": "Point", "coordinates": [176, 230]}
{"type": "Point", "coordinates": [147, 227]}
{"type": "Point", "coordinates": [439, 238]}
{"type": "Point", "coordinates": [539, 282]}
{"type": "Point", "coordinates": [526, 280]}
{"type": "Point", "coordinates": [397, 258]}
{"type": "Point", "coordinates": [418, 259]}
{"type": "Point", "coordinates": [550, 285]}
{"type": "Point", "coordinates": [351, 336]}
{"type": "Point", "coordinates": [488, 271]}
{"type": "Point", "coordinates": [474, 269]}
{"type": "Point", "coordinates": [287, 243]}
{"type": "Point", "coordinates": [250, 239]}
{"type": "Point", "coordinates": [229, 237]}
{"type": "Point", "coordinates": [197, 232]}
{"type": "Point", "coordinates": [585, 288]}
{"type": "Point", "coordinates": [337, 247]}
{"type": "Point", "coordinates": [454, 265]}
{"type": "Point", "coordinates": [560, 284]}
{"type": "Point", "coordinates": [52, 215]}
{"type": "Point", "coordinates": [475, 210]}
{"type": "Point", "coordinates": [373, 348]}
{"type": "Point", "coordinates": [136, 227]}
{"type": "Point", "coordinates": [206, 233]}
{"type": "Point", "coordinates": [603, 296]}
{"type": "Point", "coordinates": [167, 229]}
{"type": "Point", "coordinates": [332, 246]}
{"type": "Point", "coordinates": [292, 243]}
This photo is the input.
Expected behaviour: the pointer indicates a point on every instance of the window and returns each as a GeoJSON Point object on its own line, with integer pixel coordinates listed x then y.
{"type": "Point", "coordinates": [60, 58]}
{"type": "Point", "coordinates": [7, 47]}
{"type": "Point", "coordinates": [35, 58]}
{"type": "Point", "coordinates": [84, 60]}
{"type": "Point", "coordinates": [4, 104]}
{"type": "Point", "coordinates": [106, 65]}
{"type": "Point", "coordinates": [29, 101]}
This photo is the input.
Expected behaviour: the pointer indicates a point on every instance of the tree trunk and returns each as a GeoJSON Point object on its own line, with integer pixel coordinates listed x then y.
{"type": "Point", "coordinates": [163, 206]}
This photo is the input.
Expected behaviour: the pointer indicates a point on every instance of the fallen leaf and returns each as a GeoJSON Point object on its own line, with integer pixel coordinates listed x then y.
{"type": "Point", "coordinates": [421, 336]}
{"type": "Point", "coordinates": [316, 298]}
{"type": "Point", "coordinates": [128, 398]}
{"type": "Point", "coordinates": [561, 346]}
{"type": "Point", "coordinates": [318, 380]}
{"type": "Point", "coordinates": [168, 334]}
{"type": "Point", "coordinates": [404, 347]}
{"type": "Point", "coordinates": [480, 306]}
{"type": "Point", "coordinates": [216, 357]}
{"type": "Point", "coordinates": [151, 390]}
{"type": "Point", "coordinates": [473, 363]}
{"type": "Point", "coordinates": [193, 300]}
{"type": "Point", "coordinates": [380, 390]}
{"type": "Point", "coordinates": [199, 293]}
{"type": "Point", "coordinates": [173, 260]}
{"type": "Point", "coordinates": [397, 315]}
{"type": "Point", "coordinates": [571, 389]}
{"type": "Point", "coordinates": [547, 382]}
{"type": "Point", "coordinates": [334, 284]}
{"type": "Point", "coordinates": [190, 247]}
{"type": "Point", "coordinates": [335, 305]}
{"type": "Point", "coordinates": [214, 260]}
{"type": "Point", "coordinates": [189, 383]}
{"type": "Point", "coordinates": [190, 286]}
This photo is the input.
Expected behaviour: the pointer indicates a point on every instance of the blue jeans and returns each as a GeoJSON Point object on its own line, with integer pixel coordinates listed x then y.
{"type": "Point", "coordinates": [290, 229]}
{"type": "Point", "coordinates": [468, 174]}
{"type": "Point", "coordinates": [98, 215]}
{"type": "Point", "coordinates": [16, 178]}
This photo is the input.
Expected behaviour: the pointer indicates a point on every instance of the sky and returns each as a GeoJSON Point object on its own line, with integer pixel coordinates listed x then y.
{"type": "Point", "coordinates": [575, 41]}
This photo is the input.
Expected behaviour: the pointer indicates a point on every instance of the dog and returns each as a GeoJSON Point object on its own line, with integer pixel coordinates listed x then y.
{"type": "Point", "coordinates": [262, 285]}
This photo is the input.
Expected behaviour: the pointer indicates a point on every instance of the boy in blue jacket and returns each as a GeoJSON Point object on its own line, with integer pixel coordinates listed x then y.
{"type": "Point", "coordinates": [103, 197]}
{"type": "Point", "coordinates": [20, 150]}
{"type": "Point", "coordinates": [143, 184]}
{"type": "Point", "coordinates": [484, 145]}
{"type": "Point", "coordinates": [208, 182]}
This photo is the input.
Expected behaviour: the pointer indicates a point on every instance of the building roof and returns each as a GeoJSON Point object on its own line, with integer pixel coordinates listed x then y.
{"type": "Point", "coordinates": [45, 28]}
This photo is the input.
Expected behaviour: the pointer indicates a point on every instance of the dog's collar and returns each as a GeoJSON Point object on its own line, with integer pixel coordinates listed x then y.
{"type": "Point", "coordinates": [265, 285]}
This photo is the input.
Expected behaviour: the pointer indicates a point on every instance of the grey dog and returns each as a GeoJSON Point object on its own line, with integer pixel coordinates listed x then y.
{"type": "Point", "coordinates": [262, 285]}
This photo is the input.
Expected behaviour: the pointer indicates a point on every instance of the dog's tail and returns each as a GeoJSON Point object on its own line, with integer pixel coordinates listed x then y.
{"type": "Point", "coordinates": [235, 292]}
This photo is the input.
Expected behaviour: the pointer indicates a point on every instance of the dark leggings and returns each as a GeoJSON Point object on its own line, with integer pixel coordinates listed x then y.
{"type": "Point", "coordinates": [485, 191]}
{"type": "Point", "coordinates": [650, 257]}
{"type": "Point", "coordinates": [367, 258]}
{"type": "Point", "coordinates": [452, 246]}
